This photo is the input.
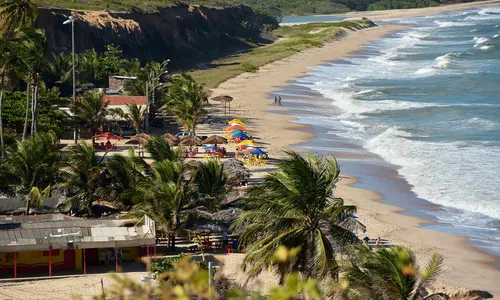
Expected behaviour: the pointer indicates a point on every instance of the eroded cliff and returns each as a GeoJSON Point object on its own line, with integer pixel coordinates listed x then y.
{"type": "Point", "coordinates": [185, 34]}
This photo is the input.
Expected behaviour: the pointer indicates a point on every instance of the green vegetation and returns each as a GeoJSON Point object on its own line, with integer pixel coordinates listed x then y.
{"type": "Point", "coordinates": [277, 8]}
{"type": "Point", "coordinates": [295, 207]}
{"type": "Point", "coordinates": [185, 99]}
{"type": "Point", "coordinates": [401, 4]}
{"type": "Point", "coordinates": [291, 39]}
{"type": "Point", "coordinates": [185, 279]}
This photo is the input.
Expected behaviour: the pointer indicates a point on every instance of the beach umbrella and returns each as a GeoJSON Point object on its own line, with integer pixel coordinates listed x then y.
{"type": "Point", "coordinates": [235, 132]}
{"type": "Point", "coordinates": [258, 151]}
{"type": "Point", "coordinates": [107, 136]}
{"type": "Point", "coordinates": [225, 99]}
{"type": "Point", "coordinates": [241, 136]}
{"type": "Point", "coordinates": [211, 148]}
{"type": "Point", "coordinates": [170, 138]}
{"type": "Point", "coordinates": [215, 139]}
{"type": "Point", "coordinates": [235, 127]}
{"type": "Point", "coordinates": [141, 137]}
{"type": "Point", "coordinates": [191, 140]}
{"type": "Point", "coordinates": [247, 143]}
{"type": "Point", "coordinates": [236, 122]}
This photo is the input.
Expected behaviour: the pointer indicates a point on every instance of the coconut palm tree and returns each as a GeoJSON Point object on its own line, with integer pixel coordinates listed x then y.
{"type": "Point", "coordinates": [17, 14]}
{"type": "Point", "coordinates": [212, 184]}
{"type": "Point", "coordinates": [390, 274]}
{"type": "Point", "coordinates": [126, 173]}
{"type": "Point", "coordinates": [185, 99]}
{"type": "Point", "coordinates": [160, 150]}
{"type": "Point", "coordinates": [31, 168]}
{"type": "Point", "coordinates": [84, 175]}
{"type": "Point", "coordinates": [135, 116]}
{"type": "Point", "coordinates": [295, 206]}
{"type": "Point", "coordinates": [33, 53]}
{"type": "Point", "coordinates": [168, 198]}
{"type": "Point", "coordinates": [91, 110]}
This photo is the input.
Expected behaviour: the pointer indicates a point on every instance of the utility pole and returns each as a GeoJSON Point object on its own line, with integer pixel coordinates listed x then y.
{"type": "Point", "coordinates": [71, 20]}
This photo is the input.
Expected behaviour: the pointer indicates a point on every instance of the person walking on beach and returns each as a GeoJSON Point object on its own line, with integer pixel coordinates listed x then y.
{"type": "Point", "coordinates": [279, 101]}
{"type": "Point", "coordinates": [275, 100]}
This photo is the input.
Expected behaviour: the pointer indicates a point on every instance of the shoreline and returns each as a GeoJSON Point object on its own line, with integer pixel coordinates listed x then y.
{"type": "Point", "coordinates": [465, 266]}
{"type": "Point", "coordinates": [380, 15]}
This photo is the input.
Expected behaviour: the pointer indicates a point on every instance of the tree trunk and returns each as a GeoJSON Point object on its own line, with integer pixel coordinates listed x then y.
{"type": "Point", "coordinates": [27, 109]}
{"type": "Point", "coordinates": [32, 109]}
{"type": "Point", "coordinates": [1, 109]}
{"type": "Point", "coordinates": [27, 206]}
{"type": "Point", "coordinates": [35, 111]}
{"type": "Point", "coordinates": [172, 242]}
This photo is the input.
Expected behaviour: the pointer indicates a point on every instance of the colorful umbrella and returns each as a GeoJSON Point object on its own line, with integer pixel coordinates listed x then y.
{"type": "Point", "coordinates": [241, 136]}
{"type": "Point", "coordinates": [211, 148]}
{"type": "Point", "coordinates": [235, 127]}
{"type": "Point", "coordinates": [235, 132]}
{"type": "Point", "coordinates": [258, 151]}
{"type": "Point", "coordinates": [247, 143]}
{"type": "Point", "coordinates": [236, 122]}
{"type": "Point", "coordinates": [107, 136]}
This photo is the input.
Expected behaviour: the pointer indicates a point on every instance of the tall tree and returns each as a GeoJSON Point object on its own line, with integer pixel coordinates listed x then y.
{"type": "Point", "coordinates": [390, 274]}
{"type": "Point", "coordinates": [33, 53]}
{"type": "Point", "coordinates": [84, 175]}
{"type": "Point", "coordinates": [91, 110]}
{"type": "Point", "coordinates": [17, 14]}
{"type": "Point", "coordinates": [135, 116]}
{"type": "Point", "coordinates": [31, 168]}
{"type": "Point", "coordinates": [295, 206]}
{"type": "Point", "coordinates": [185, 99]}
{"type": "Point", "coordinates": [212, 184]}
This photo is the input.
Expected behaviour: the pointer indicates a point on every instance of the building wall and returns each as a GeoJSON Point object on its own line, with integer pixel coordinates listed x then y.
{"type": "Point", "coordinates": [37, 261]}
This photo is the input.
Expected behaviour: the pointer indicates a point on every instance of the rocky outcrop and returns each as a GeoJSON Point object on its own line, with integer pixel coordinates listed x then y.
{"type": "Point", "coordinates": [185, 34]}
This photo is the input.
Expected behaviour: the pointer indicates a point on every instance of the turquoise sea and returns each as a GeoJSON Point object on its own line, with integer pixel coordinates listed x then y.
{"type": "Point", "coordinates": [421, 106]}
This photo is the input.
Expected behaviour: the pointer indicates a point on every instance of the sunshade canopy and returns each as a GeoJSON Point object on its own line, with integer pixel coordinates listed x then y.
{"type": "Point", "coordinates": [107, 136]}
{"type": "Point", "coordinates": [235, 127]}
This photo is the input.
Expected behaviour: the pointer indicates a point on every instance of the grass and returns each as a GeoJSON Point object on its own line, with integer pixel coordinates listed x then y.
{"type": "Point", "coordinates": [291, 39]}
{"type": "Point", "coordinates": [128, 5]}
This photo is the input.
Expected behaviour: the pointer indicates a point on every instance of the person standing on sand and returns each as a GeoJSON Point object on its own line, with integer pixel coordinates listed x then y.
{"type": "Point", "coordinates": [275, 99]}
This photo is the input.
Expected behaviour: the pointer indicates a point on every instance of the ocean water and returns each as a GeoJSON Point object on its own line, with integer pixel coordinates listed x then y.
{"type": "Point", "coordinates": [427, 101]}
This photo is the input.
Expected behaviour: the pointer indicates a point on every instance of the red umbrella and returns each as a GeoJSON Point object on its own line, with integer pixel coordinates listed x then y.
{"type": "Point", "coordinates": [236, 127]}
{"type": "Point", "coordinates": [107, 136]}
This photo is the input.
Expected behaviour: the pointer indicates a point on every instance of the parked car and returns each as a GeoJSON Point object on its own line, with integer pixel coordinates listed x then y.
{"type": "Point", "coordinates": [183, 134]}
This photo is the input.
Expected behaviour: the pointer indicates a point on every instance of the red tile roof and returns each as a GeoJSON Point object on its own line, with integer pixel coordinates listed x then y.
{"type": "Point", "coordinates": [124, 100]}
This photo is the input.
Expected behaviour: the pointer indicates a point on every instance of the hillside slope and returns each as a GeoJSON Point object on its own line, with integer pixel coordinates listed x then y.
{"type": "Point", "coordinates": [185, 34]}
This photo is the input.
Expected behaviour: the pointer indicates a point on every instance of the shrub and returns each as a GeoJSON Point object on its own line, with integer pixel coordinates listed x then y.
{"type": "Point", "coordinates": [248, 67]}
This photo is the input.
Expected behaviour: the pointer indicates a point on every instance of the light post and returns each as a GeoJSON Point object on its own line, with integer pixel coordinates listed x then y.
{"type": "Point", "coordinates": [71, 20]}
{"type": "Point", "coordinates": [155, 85]}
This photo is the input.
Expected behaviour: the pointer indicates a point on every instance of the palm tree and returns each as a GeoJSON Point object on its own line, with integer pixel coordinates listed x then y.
{"type": "Point", "coordinates": [185, 99]}
{"type": "Point", "coordinates": [160, 150]}
{"type": "Point", "coordinates": [135, 116]}
{"type": "Point", "coordinates": [17, 14]}
{"type": "Point", "coordinates": [126, 173]}
{"type": "Point", "coordinates": [295, 207]}
{"type": "Point", "coordinates": [33, 53]}
{"type": "Point", "coordinates": [91, 110]}
{"type": "Point", "coordinates": [31, 168]}
{"type": "Point", "coordinates": [212, 183]}
{"type": "Point", "coordinates": [390, 274]}
{"type": "Point", "coordinates": [168, 198]}
{"type": "Point", "coordinates": [83, 174]}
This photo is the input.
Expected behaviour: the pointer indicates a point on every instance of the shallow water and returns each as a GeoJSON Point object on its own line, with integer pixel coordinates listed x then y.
{"type": "Point", "coordinates": [425, 103]}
